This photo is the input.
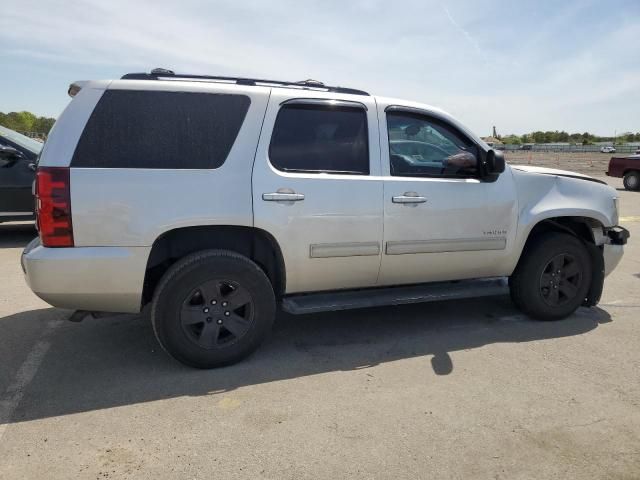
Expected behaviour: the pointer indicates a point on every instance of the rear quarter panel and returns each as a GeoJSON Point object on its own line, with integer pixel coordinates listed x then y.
{"type": "Point", "coordinates": [63, 137]}
{"type": "Point", "coordinates": [133, 207]}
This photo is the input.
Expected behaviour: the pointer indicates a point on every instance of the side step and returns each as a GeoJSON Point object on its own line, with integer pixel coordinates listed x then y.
{"type": "Point", "coordinates": [378, 297]}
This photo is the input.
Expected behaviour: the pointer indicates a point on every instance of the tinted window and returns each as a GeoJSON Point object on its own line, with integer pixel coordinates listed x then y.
{"type": "Point", "coordinates": [147, 129]}
{"type": "Point", "coordinates": [320, 138]}
{"type": "Point", "coordinates": [420, 146]}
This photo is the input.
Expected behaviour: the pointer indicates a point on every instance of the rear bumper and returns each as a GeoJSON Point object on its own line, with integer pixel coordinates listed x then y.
{"type": "Point", "coordinates": [108, 279]}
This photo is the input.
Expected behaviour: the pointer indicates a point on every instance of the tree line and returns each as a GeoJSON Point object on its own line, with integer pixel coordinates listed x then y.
{"type": "Point", "coordinates": [585, 138]}
{"type": "Point", "coordinates": [27, 122]}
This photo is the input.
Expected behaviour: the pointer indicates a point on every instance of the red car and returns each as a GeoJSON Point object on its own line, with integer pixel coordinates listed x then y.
{"type": "Point", "coordinates": [628, 168]}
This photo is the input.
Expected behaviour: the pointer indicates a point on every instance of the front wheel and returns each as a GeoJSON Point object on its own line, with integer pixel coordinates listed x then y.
{"type": "Point", "coordinates": [552, 278]}
{"type": "Point", "coordinates": [212, 308]}
{"type": "Point", "coordinates": [631, 180]}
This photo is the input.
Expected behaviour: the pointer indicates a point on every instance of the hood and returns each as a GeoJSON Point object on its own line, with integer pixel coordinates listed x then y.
{"type": "Point", "coordinates": [555, 172]}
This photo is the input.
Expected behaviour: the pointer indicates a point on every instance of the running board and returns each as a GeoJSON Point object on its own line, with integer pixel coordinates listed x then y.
{"type": "Point", "coordinates": [378, 297]}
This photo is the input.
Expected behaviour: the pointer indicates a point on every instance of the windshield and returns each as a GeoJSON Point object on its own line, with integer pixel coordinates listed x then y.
{"type": "Point", "coordinates": [21, 140]}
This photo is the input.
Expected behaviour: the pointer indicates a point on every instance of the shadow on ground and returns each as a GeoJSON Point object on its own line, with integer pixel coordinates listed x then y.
{"type": "Point", "coordinates": [116, 361]}
{"type": "Point", "coordinates": [16, 235]}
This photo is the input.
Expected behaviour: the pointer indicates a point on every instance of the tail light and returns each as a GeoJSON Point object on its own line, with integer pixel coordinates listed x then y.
{"type": "Point", "coordinates": [53, 206]}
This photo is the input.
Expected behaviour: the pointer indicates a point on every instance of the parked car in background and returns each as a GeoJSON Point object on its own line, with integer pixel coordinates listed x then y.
{"type": "Point", "coordinates": [18, 155]}
{"type": "Point", "coordinates": [608, 149]}
{"type": "Point", "coordinates": [526, 147]}
{"type": "Point", "coordinates": [628, 168]}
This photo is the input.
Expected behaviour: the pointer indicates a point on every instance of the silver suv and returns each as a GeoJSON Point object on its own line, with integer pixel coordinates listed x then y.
{"type": "Point", "coordinates": [217, 199]}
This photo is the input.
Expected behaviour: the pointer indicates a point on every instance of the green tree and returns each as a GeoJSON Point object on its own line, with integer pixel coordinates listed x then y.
{"type": "Point", "coordinates": [512, 140]}
{"type": "Point", "coordinates": [42, 125]}
{"type": "Point", "coordinates": [26, 122]}
{"type": "Point", "coordinates": [538, 137]}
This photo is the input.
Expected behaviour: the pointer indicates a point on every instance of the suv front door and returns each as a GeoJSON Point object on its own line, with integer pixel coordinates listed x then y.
{"type": "Point", "coordinates": [317, 189]}
{"type": "Point", "coordinates": [441, 220]}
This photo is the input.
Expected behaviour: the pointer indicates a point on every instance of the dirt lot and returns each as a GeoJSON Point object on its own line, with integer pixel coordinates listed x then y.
{"type": "Point", "coordinates": [584, 162]}
{"type": "Point", "coordinates": [469, 389]}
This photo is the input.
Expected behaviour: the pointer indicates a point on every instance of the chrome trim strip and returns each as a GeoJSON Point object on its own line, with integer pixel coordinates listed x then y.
{"type": "Point", "coordinates": [354, 249]}
{"type": "Point", "coordinates": [15, 214]}
{"type": "Point", "coordinates": [325, 102]}
{"type": "Point", "coordinates": [450, 245]}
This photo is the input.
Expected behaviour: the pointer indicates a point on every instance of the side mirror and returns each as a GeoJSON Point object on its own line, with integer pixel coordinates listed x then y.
{"type": "Point", "coordinates": [9, 156]}
{"type": "Point", "coordinates": [495, 162]}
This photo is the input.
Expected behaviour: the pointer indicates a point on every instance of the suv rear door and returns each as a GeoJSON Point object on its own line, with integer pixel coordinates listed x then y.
{"type": "Point", "coordinates": [317, 188]}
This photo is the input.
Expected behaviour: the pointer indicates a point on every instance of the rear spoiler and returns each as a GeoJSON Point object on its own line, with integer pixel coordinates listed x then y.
{"type": "Point", "coordinates": [75, 87]}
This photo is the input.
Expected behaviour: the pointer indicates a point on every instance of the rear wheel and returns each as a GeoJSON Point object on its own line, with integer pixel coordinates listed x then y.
{"type": "Point", "coordinates": [552, 279]}
{"type": "Point", "coordinates": [631, 180]}
{"type": "Point", "coordinates": [212, 308]}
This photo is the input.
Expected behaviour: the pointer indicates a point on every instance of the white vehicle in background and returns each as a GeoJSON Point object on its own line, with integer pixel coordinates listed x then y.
{"type": "Point", "coordinates": [216, 199]}
{"type": "Point", "coordinates": [608, 149]}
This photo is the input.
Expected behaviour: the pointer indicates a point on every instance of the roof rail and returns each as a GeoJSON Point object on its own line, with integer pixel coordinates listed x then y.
{"type": "Point", "coordinates": [164, 74]}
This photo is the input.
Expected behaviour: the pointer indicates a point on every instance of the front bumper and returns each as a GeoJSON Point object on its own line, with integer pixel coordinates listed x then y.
{"type": "Point", "coordinates": [613, 248]}
{"type": "Point", "coordinates": [618, 235]}
{"type": "Point", "coordinates": [612, 255]}
{"type": "Point", "coordinates": [107, 279]}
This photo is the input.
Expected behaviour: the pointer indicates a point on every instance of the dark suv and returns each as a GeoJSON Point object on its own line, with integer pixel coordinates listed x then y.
{"type": "Point", "coordinates": [18, 155]}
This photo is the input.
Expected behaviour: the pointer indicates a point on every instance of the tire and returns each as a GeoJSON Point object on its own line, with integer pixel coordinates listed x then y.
{"type": "Point", "coordinates": [212, 308]}
{"type": "Point", "coordinates": [535, 286]}
{"type": "Point", "coordinates": [631, 180]}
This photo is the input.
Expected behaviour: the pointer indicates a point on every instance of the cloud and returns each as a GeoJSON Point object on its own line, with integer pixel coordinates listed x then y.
{"type": "Point", "coordinates": [520, 67]}
{"type": "Point", "coordinates": [472, 41]}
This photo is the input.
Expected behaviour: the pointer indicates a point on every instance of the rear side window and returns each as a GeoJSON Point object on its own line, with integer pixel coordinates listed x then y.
{"type": "Point", "coordinates": [152, 129]}
{"type": "Point", "coordinates": [320, 139]}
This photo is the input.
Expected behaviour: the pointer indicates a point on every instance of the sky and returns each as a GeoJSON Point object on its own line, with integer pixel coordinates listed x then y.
{"type": "Point", "coordinates": [522, 66]}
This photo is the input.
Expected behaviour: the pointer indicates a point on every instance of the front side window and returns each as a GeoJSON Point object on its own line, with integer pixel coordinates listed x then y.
{"type": "Point", "coordinates": [315, 138]}
{"type": "Point", "coordinates": [423, 146]}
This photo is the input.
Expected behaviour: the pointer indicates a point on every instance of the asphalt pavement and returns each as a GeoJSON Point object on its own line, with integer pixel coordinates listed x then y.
{"type": "Point", "coordinates": [464, 389]}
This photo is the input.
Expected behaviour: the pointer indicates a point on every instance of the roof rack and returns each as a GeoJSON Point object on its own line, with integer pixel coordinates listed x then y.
{"type": "Point", "coordinates": [164, 74]}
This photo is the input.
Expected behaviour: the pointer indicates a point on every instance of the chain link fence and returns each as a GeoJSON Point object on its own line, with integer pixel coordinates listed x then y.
{"type": "Point", "coordinates": [544, 147]}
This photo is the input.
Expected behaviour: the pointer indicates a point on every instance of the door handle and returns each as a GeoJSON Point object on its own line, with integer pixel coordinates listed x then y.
{"type": "Point", "coordinates": [282, 197]}
{"type": "Point", "coordinates": [408, 197]}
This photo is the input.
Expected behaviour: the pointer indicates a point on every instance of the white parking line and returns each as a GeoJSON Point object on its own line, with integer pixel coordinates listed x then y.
{"type": "Point", "coordinates": [13, 395]}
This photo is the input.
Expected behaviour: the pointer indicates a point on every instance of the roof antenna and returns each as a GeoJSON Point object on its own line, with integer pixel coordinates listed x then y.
{"type": "Point", "coordinates": [162, 71]}
{"type": "Point", "coordinates": [310, 83]}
